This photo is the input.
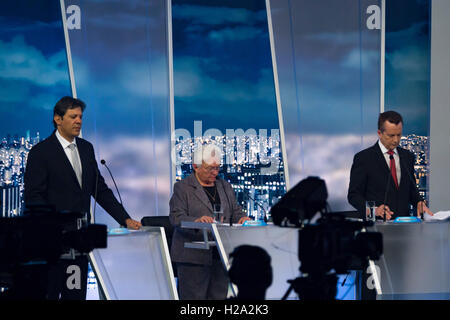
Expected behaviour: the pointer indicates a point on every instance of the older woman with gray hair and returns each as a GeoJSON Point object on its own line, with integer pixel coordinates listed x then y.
{"type": "Point", "coordinates": [201, 275]}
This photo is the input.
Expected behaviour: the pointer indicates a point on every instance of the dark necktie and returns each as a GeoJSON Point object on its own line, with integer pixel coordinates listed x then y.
{"type": "Point", "coordinates": [393, 169]}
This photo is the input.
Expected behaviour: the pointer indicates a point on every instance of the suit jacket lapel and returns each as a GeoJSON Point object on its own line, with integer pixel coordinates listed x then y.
{"type": "Point", "coordinates": [222, 196]}
{"type": "Point", "coordinates": [199, 192]}
{"type": "Point", "coordinates": [62, 158]}
{"type": "Point", "coordinates": [380, 159]}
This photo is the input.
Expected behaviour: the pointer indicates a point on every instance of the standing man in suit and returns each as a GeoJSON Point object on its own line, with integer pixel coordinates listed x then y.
{"type": "Point", "coordinates": [384, 173]}
{"type": "Point", "coordinates": [201, 274]}
{"type": "Point", "coordinates": [62, 172]}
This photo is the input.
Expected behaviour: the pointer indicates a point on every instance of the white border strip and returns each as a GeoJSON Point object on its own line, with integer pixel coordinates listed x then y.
{"type": "Point", "coordinates": [382, 54]}
{"type": "Point", "coordinates": [68, 51]}
{"type": "Point", "coordinates": [223, 254]}
{"type": "Point", "coordinates": [376, 277]}
{"type": "Point", "coordinates": [168, 262]}
{"type": "Point", "coordinates": [69, 61]}
{"type": "Point", "coordinates": [171, 92]}
{"type": "Point", "coordinates": [277, 93]}
{"type": "Point", "coordinates": [100, 280]}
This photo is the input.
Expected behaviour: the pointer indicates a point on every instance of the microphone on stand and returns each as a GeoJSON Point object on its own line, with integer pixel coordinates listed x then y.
{"type": "Point", "coordinates": [231, 219]}
{"type": "Point", "coordinates": [103, 162]}
{"type": "Point", "coordinates": [96, 189]}
{"type": "Point", "coordinates": [386, 192]}
{"type": "Point", "coordinates": [229, 203]}
{"type": "Point", "coordinates": [259, 204]}
{"type": "Point", "coordinates": [413, 181]}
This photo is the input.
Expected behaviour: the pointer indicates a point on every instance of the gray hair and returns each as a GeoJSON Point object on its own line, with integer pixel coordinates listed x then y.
{"type": "Point", "coordinates": [209, 153]}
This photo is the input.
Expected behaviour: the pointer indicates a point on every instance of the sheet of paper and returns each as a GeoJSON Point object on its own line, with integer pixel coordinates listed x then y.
{"type": "Point", "coordinates": [440, 215]}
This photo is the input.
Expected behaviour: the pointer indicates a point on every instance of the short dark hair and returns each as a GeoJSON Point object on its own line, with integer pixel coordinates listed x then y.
{"type": "Point", "coordinates": [391, 116]}
{"type": "Point", "coordinates": [64, 104]}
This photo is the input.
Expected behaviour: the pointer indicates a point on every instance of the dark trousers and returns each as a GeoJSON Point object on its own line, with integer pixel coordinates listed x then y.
{"type": "Point", "coordinates": [67, 279]}
{"type": "Point", "coordinates": [199, 282]}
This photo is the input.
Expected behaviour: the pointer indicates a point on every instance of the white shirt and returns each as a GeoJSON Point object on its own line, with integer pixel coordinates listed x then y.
{"type": "Point", "coordinates": [65, 144]}
{"type": "Point", "coordinates": [384, 150]}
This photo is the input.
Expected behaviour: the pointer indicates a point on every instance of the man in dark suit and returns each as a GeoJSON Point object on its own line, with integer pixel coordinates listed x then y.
{"type": "Point", "coordinates": [201, 274]}
{"type": "Point", "coordinates": [62, 172]}
{"type": "Point", "coordinates": [384, 173]}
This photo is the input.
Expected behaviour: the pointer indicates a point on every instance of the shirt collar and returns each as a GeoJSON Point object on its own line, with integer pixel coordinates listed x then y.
{"type": "Point", "coordinates": [384, 149]}
{"type": "Point", "coordinates": [63, 141]}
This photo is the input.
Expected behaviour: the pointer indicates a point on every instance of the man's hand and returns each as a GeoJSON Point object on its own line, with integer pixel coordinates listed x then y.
{"type": "Point", "coordinates": [243, 219]}
{"type": "Point", "coordinates": [133, 224]}
{"type": "Point", "coordinates": [379, 211]}
{"type": "Point", "coordinates": [421, 207]}
{"type": "Point", "coordinates": [205, 219]}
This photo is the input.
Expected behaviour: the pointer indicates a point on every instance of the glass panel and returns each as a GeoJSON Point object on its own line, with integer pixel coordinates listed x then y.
{"type": "Point", "coordinates": [328, 62]}
{"type": "Point", "coordinates": [33, 77]}
{"type": "Point", "coordinates": [224, 88]}
{"type": "Point", "coordinates": [408, 78]}
{"type": "Point", "coordinates": [133, 267]}
{"type": "Point", "coordinates": [120, 62]}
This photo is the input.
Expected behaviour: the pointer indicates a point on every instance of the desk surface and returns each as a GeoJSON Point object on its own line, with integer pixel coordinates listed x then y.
{"type": "Point", "coordinates": [416, 257]}
{"type": "Point", "coordinates": [415, 260]}
{"type": "Point", "coordinates": [280, 243]}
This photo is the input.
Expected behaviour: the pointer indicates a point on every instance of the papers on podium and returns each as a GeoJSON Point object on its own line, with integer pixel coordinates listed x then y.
{"type": "Point", "coordinates": [441, 215]}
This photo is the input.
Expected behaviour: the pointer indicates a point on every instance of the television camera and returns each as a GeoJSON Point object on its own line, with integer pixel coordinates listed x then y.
{"type": "Point", "coordinates": [29, 244]}
{"type": "Point", "coordinates": [328, 244]}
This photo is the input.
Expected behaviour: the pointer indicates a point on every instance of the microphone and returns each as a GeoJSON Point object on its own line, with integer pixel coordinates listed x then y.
{"type": "Point", "coordinates": [96, 189]}
{"type": "Point", "coordinates": [387, 189]}
{"type": "Point", "coordinates": [229, 203]}
{"type": "Point", "coordinates": [231, 218]}
{"type": "Point", "coordinates": [103, 162]}
{"type": "Point", "coordinates": [413, 181]}
{"type": "Point", "coordinates": [259, 204]}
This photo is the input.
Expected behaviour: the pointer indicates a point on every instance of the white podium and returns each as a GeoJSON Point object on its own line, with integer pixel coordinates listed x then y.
{"type": "Point", "coordinates": [280, 243]}
{"type": "Point", "coordinates": [416, 260]}
{"type": "Point", "coordinates": [414, 265]}
{"type": "Point", "coordinates": [135, 266]}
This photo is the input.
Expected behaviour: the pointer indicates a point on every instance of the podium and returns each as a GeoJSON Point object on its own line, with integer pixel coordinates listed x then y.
{"type": "Point", "coordinates": [414, 265]}
{"type": "Point", "coordinates": [280, 243]}
{"type": "Point", "coordinates": [416, 260]}
{"type": "Point", "coordinates": [135, 266]}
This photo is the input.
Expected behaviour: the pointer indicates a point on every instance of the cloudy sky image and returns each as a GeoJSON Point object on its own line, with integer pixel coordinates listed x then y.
{"type": "Point", "coordinates": [33, 66]}
{"type": "Point", "coordinates": [408, 63]}
{"type": "Point", "coordinates": [222, 65]}
{"type": "Point", "coordinates": [121, 71]}
{"type": "Point", "coordinates": [144, 182]}
{"type": "Point", "coordinates": [328, 66]}
{"type": "Point", "coordinates": [329, 157]}
{"type": "Point", "coordinates": [328, 71]}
